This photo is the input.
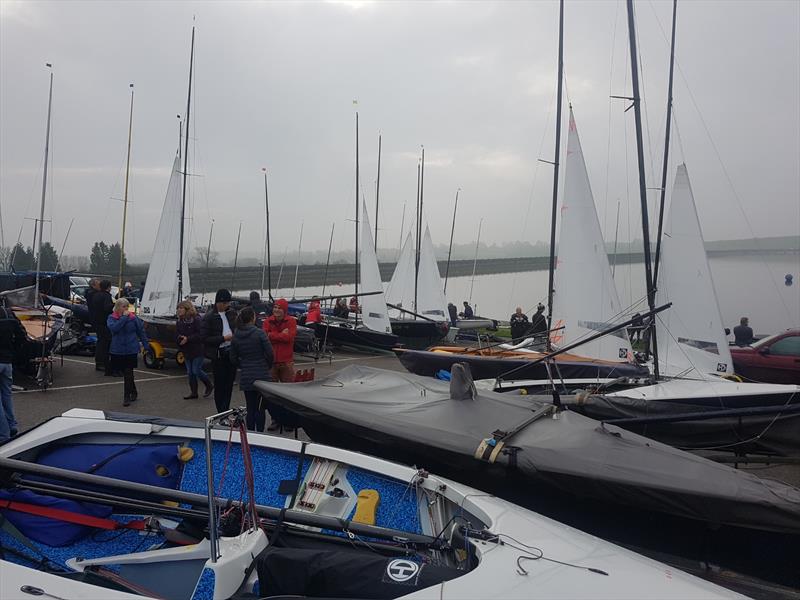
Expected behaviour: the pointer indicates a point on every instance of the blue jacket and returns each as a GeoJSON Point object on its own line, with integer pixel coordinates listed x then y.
{"type": "Point", "coordinates": [126, 334]}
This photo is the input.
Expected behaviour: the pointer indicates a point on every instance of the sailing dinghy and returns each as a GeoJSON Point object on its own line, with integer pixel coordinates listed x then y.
{"type": "Point", "coordinates": [698, 405]}
{"type": "Point", "coordinates": [104, 505]}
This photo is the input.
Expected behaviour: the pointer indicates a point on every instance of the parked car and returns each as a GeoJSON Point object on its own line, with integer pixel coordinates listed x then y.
{"type": "Point", "coordinates": [774, 359]}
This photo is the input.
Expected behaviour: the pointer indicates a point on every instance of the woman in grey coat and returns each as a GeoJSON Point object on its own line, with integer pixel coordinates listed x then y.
{"type": "Point", "coordinates": [252, 353]}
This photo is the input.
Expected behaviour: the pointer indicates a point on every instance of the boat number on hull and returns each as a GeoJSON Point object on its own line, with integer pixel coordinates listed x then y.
{"type": "Point", "coordinates": [402, 571]}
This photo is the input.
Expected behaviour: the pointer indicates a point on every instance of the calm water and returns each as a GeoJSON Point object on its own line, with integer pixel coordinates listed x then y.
{"type": "Point", "coordinates": [746, 286]}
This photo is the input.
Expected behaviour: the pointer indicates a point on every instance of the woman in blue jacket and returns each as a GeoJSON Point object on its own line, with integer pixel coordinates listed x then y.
{"type": "Point", "coordinates": [127, 337]}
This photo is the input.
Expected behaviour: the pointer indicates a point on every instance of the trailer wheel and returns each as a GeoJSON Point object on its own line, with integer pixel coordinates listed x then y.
{"type": "Point", "coordinates": [151, 362]}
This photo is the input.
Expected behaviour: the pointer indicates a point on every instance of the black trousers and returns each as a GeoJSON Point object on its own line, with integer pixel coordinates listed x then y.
{"type": "Point", "coordinates": [256, 416]}
{"type": "Point", "coordinates": [224, 376]}
{"type": "Point", "coordinates": [102, 360]}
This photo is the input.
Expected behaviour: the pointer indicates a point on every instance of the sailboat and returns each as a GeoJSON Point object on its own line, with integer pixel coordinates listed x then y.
{"type": "Point", "coordinates": [371, 329]}
{"type": "Point", "coordinates": [417, 297]}
{"type": "Point", "coordinates": [98, 505]}
{"type": "Point", "coordinates": [699, 403]}
{"type": "Point", "coordinates": [167, 280]}
{"type": "Point", "coordinates": [582, 265]}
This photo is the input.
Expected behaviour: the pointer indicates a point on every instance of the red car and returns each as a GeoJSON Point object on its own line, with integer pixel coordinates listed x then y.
{"type": "Point", "coordinates": [774, 359]}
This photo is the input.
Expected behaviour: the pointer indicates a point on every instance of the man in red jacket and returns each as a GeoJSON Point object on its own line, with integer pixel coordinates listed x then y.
{"type": "Point", "coordinates": [281, 330]}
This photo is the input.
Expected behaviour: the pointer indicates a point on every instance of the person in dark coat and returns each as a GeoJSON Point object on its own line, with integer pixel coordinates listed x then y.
{"type": "Point", "coordinates": [743, 333]}
{"type": "Point", "coordinates": [101, 305]}
{"type": "Point", "coordinates": [340, 309]}
{"type": "Point", "coordinates": [216, 331]}
{"type": "Point", "coordinates": [453, 312]}
{"type": "Point", "coordinates": [12, 336]}
{"type": "Point", "coordinates": [261, 309]}
{"type": "Point", "coordinates": [468, 313]}
{"type": "Point", "coordinates": [539, 321]}
{"type": "Point", "coordinates": [252, 353]}
{"type": "Point", "coordinates": [191, 345]}
{"type": "Point", "coordinates": [519, 324]}
{"type": "Point", "coordinates": [127, 334]}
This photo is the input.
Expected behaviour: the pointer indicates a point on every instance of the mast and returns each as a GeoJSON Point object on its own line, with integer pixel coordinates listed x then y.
{"type": "Point", "coordinates": [450, 250]}
{"type": "Point", "coordinates": [666, 146]}
{"type": "Point", "coordinates": [208, 254]}
{"type": "Point", "coordinates": [266, 244]}
{"type": "Point", "coordinates": [236, 255]}
{"type": "Point", "coordinates": [44, 184]}
{"type": "Point", "coordinates": [377, 194]}
{"type": "Point", "coordinates": [420, 204]}
{"type": "Point", "coordinates": [554, 213]}
{"type": "Point", "coordinates": [64, 245]}
{"type": "Point", "coordinates": [475, 260]}
{"type": "Point", "coordinates": [297, 262]}
{"type": "Point", "coordinates": [185, 171]}
{"type": "Point", "coordinates": [357, 183]}
{"type": "Point", "coordinates": [637, 113]}
{"type": "Point", "coordinates": [328, 261]}
{"type": "Point", "coordinates": [125, 196]}
{"type": "Point", "coordinates": [616, 237]}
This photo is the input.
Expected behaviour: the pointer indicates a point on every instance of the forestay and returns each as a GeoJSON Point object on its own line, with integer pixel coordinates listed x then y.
{"type": "Point", "coordinates": [161, 287]}
{"type": "Point", "coordinates": [691, 343]}
{"type": "Point", "coordinates": [430, 289]}
{"type": "Point", "coordinates": [373, 307]}
{"type": "Point", "coordinates": [400, 291]}
{"type": "Point", "coordinates": [585, 297]}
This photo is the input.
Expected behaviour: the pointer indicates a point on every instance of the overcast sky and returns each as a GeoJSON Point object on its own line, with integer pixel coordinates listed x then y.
{"type": "Point", "coordinates": [474, 82]}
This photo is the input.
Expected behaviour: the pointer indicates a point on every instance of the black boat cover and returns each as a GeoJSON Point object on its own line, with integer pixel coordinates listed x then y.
{"type": "Point", "coordinates": [398, 410]}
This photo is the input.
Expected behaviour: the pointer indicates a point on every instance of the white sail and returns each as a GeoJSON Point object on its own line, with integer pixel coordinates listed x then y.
{"type": "Point", "coordinates": [373, 308]}
{"type": "Point", "coordinates": [691, 342]}
{"type": "Point", "coordinates": [430, 289]}
{"type": "Point", "coordinates": [400, 291]}
{"type": "Point", "coordinates": [585, 299]}
{"type": "Point", "coordinates": [161, 287]}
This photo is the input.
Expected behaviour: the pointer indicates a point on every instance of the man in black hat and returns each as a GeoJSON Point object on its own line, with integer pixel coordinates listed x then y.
{"type": "Point", "coordinates": [216, 330]}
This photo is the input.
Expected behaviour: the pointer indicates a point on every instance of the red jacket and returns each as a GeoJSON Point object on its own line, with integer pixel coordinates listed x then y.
{"type": "Point", "coordinates": [282, 343]}
{"type": "Point", "coordinates": [314, 314]}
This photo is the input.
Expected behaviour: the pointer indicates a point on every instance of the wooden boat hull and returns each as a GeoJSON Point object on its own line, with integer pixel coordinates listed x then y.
{"type": "Point", "coordinates": [490, 364]}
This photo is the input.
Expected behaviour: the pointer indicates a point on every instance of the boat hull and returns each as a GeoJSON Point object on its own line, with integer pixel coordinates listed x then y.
{"type": "Point", "coordinates": [344, 334]}
{"type": "Point", "coordinates": [428, 363]}
{"type": "Point", "coordinates": [418, 333]}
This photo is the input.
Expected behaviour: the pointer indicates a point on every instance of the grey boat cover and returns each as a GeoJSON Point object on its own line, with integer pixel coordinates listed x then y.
{"type": "Point", "coordinates": [567, 449]}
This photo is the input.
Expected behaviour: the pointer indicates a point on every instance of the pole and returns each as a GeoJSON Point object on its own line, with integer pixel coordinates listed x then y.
{"type": "Point", "coordinates": [666, 146]}
{"type": "Point", "coordinates": [185, 170]}
{"type": "Point", "coordinates": [236, 255]}
{"type": "Point", "coordinates": [475, 260]}
{"type": "Point", "coordinates": [554, 209]}
{"type": "Point", "coordinates": [208, 254]}
{"type": "Point", "coordinates": [44, 184]}
{"type": "Point", "coordinates": [64, 245]}
{"type": "Point", "coordinates": [377, 194]}
{"type": "Point", "coordinates": [125, 196]}
{"type": "Point", "coordinates": [357, 184]}
{"type": "Point", "coordinates": [265, 262]}
{"type": "Point", "coordinates": [450, 250]}
{"type": "Point", "coordinates": [402, 227]}
{"type": "Point", "coordinates": [297, 263]}
{"type": "Point", "coordinates": [616, 238]}
{"type": "Point", "coordinates": [328, 261]}
{"type": "Point", "coordinates": [637, 113]}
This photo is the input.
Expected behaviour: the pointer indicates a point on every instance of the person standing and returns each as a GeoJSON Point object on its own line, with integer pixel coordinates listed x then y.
{"type": "Point", "coordinates": [216, 331]}
{"type": "Point", "coordinates": [252, 353]}
{"type": "Point", "coordinates": [539, 322]}
{"type": "Point", "coordinates": [12, 336]}
{"type": "Point", "coordinates": [127, 334]}
{"type": "Point", "coordinates": [453, 312]}
{"type": "Point", "coordinates": [468, 312]}
{"type": "Point", "coordinates": [101, 305]}
{"type": "Point", "coordinates": [743, 333]}
{"type": "Point", "coordinates": [281, 329]}
{"type": "Point", "coordinates": [519, 324]}
{"type": "Point", "coordinates": [191, 345]}
{"type": "Point", "coordinates": [314, 312]}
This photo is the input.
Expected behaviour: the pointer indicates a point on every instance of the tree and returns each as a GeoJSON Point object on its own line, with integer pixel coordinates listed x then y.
{"type": "Point", "coordinates": [5, 258]}
{"type": "Point", "coordinates": [98, 259]}
{"type": "Point", "coordinates": [105, 258]}
{"type": "Point", "coordinates": [49, 257]}
{"type": "Point", "coordinates": [22, 258]}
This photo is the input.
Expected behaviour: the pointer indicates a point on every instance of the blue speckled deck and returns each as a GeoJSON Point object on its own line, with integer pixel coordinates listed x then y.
{"type": "Point", "coordinates": [397, 508]}
{"type": "Point", "coordinates": [98, 545]}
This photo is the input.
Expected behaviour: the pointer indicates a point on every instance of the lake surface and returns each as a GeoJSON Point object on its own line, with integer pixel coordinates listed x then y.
{"type": "Point", "coordinates": [746, 286]}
